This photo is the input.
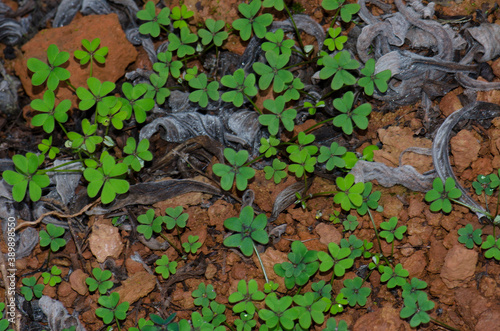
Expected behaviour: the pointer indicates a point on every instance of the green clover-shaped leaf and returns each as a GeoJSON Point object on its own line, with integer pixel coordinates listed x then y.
{"type": "Point", "coordinates": [48, 114]}
{"type": "Point", "coordinates": [50, 71]}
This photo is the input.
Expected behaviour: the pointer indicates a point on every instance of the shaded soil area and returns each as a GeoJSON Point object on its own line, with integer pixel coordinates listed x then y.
{"type": "Point", "coordinates": [463, 283]}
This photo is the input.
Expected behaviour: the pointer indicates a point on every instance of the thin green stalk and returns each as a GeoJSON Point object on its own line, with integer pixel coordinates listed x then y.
{"type": "Point", "coordinates": [335, 18]}
{"type": "Point", "coordinates": [498, 203]}
{"type": "Point", "coordinates": [299, 289]}
{"type": "Point", "coordinates": [378, 238]}
{"type": "Point", "coordinates": [228, 326]}
{"type": "Point", "coordinates": [297, 32]}
{"type": "Point", "coordinates": [253, 104]}
{"type": "Point", "coordinates": [202, 52]}
{"type": "Point", "coordinates": [305, 182]}
{"type": "Point", "coordinates": [91, 62]}
{"type": "Point", "coordinates": [63, 128]}
{"type": "Point", "coordinates": [164, 28]}
{"type": "Point", "coordinates": [298, 64]}
{"type": "Point", "coordinates": [474, 209]}
{"type": "Point", "coordinates": [253, 161]}
{"type": "Point", "coordinates": [444, 325]}
{"type": "Point", "coordinates": [43, 171]}
{"type": "Point", "coordinates": [117, 324]}
{"type": "Point", "coordinates": [179, 235]}
{"type": "Point", "coordinates": [260, 261]}
{"type": "Point", "coordinates": [311, 128]}
{"type": "Point", "coordinates": [107, 129]}
{"type": "Point", "coordinates": [70, 85]}
{"type": "Point", "coordinates": [171, 244]}
{"type": "Point", "coordinates": [486, 201]}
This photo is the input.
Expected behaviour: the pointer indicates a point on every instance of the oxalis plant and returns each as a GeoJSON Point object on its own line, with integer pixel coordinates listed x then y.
{"type": "Point", "coordinates": [92, 147]}
{"type": "Point", "coordinates": [442, 195]}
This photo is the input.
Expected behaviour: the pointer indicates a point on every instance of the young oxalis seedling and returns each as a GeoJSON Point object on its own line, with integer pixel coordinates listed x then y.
{"type": "Point", "coordinates": [251, 21]}
{"type": "Point", "coordinates": [50, 71]}
{"type": "Point", "coordinates": [31, 288]}
{"type": "Point", "coordinates": [249, 230]}
{"type": "Point", "coordinates": [111, 310]}
{"type": "Point", "coordinates": [237, 170]}
{"type": "Point", "coordinates": [441, 197]}
{"type": "Point", "coordinates": [302, 266]}
{"type": "Point", "coordinates": [51, 237]}
{"type": "Point", "coordinates": [91, 52]}
{"type": "Point", "coordinates": [27, 175]}
{"type": "Point", "coordinates": [100, 281]}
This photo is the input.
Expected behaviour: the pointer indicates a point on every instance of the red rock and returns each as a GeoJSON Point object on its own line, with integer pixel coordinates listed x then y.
{"type": "Point", "coordinates": [386, 318]}
{"type": "Point", "coordinates": [416, 264]}
{"type": "Point", "coordinates": [465, 149]}
{"type": "Point", "coordinates": [66, 294]}
{"type": "Point", "coordinates": [439, 289]}
{"type": "Point", "coordinates": [219, 212]}
{"type": "Point", "coordinates": [492, 96]}
{"type": "Point", "coordinates": [459, 266]}
{"type": "Point", "coordinates": [68, 38]}
{"type": "Point", "coordinates": [137, 286]}
{"type": "Point", "coordinates": [482, 166]}
{"type": "Point", "coordinates": [407, 250]}
{"type": "Point", "coordinates": [396, 140]}
{"type": "Point", "coordinates": [437, 254]}
{"type": "Point", "coordinates": [328, 233]}
{"type": "Point", "coordinates": [105, 241]}
{"type": "Point", "coordinates": [489, 320]}
{"type": "Point", "coordinates": [451, 239]}
{"type": "Point", "coordinates": [77, 279]}
{"type": "Point", "coordinates": [489, 287]}
{"type": "Point", "coordinates": [392, 206]}
{"type": "Point", "coordinates": [416, 227]}
{"type": "Point", "coordinates": [416, 207]}
{"type": "Point", "coordinates": [450, 102]}
{"type": "Point", "coordinates": [432, 218]}
{"type": "Point", "coordinates": [133, 266]}
{"type": "Point", "coordinates": [471, 304]}
{"type": "Point", "coordinates": [211, 271]}
{"type": "Point", "coordinates": [449, 222]}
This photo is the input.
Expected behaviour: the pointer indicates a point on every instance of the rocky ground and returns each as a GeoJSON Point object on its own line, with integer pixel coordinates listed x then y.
{"type": "Point", "coordinates": [463, 284]}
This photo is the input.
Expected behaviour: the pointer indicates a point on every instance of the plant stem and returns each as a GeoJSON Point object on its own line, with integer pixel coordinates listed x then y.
{"type": "Point", "coordinates": [299, 39]}
{"type": "Point", "coordinates": [43, 171]}
{"type": "Point", "coordinates": [335, 18]}
{"type": "Point", "coordinates": [298, 64]}
{"type": "Point", "coordinates": [378, 238]}
{"type": "Point", "coordinates": [70, 85]}
{"type": "Point", "coordinates": [444, 325]}
{"type": "Point", "coordinates": [63, 128]}
{"type": "Point", "coordinates": [474, 209]}
{"type": "Point", "coordinates": [486, 201]}
{"type": "Point", "coordinates": [90, 74]}
{"type": "Point", "coordinates": [253, 161]}
{"type": "Point", "coordinates": [171, 244]}
{"type": "Point", "coordinates": [253, 103]}
{"type": "Point", "coordinates": [311, 128]}
{"type": "Point", "coordinates": [229, 326]}
{"type": "Point", "coordinates": [261, 264]}
{"type": "Point", "coordinates": [498, 203]}
{"type": "Point", "coordinates": [117, 324]}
